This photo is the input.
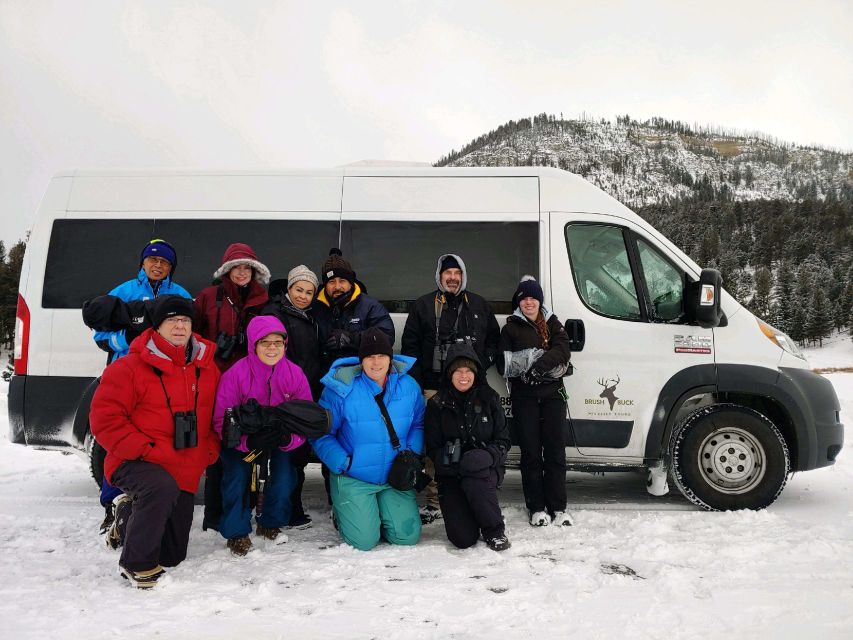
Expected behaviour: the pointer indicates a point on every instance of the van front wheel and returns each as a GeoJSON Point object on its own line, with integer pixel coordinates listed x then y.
{"type": "Point", "coordinates": [728, 457]}
{"type": "Point", "coordinates": [97, 455]}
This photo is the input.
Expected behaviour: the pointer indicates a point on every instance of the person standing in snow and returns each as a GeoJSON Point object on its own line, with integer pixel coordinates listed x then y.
{"type": "Point", "coordinates": [535, 357]}
{"type": "Point", "coordinates": [152, 413]}
{"type": "Point", "coordinates": [223, 311]}
{"type": "Point", "coordinates": [466, 434]}
{"type": "Point", "coordinates": [267, 376]}
{"type": "Point", "coordinates": [157, 265]}
{"type": "Point", "coordinates": [449, 315]}
{"type": "Point", "coordinates": [290, 302]}
{"type": "Point", "coordinates": [358, 450]}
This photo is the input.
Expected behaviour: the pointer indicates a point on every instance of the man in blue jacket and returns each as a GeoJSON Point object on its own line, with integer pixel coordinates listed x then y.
{"type": "Point", "coordinates": [157, 264]}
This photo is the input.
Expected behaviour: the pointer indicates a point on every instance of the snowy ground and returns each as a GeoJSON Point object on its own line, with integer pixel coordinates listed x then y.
{"type": "Point", "coordinates": [633, 566]}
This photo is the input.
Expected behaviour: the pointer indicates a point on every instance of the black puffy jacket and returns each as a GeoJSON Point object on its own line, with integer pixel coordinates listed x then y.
{"type": "Point", "coordinates": [477, 322]}
{"type": "Point", "coordinates": [519, 334]}
{"type": "Point", "coordinates": [476, 418]}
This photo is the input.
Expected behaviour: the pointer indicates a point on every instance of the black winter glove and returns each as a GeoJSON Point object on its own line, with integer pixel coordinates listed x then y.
{"type": "Point", "coordinates": [529, 377]}
{"type": "Point", "coordinates": [285, 439]}
{"type": "Point", "coordinates": [265, 439]}
{"type": "Point", "coordinates": [474, 462]}
{"type": "Point", "coordinates": [498, 454]}
{"type": "Point", "coordinates": [339, 340]}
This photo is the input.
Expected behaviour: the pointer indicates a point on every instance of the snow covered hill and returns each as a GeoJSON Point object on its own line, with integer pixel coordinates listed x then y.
{"type": "Point", "coordinates": [642, 163]}
{"type": "Point", "coordinates": [632, 566]}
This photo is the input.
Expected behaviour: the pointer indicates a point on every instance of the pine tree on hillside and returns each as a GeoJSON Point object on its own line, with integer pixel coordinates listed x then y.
{"type": "Point", "coordinates": [819, 320]}
{"type": "Point", "coordinates": [783, 299]}
{"type": "Point", "coordinates": [760, 302]}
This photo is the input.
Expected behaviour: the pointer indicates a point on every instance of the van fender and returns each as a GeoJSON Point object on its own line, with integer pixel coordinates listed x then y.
{"type": "Point", "coordinates": [689, 382]}
{"type": "Point", "coordinates": [80, 427]}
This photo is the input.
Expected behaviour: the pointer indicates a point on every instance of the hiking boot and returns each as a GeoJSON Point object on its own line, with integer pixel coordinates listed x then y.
{"type": "Point", "coordinates": [114, 537]}
{"type": "Point", "coordinates": [109, 518]}
{"type": "Point", "coordinates": [499, 543]}
{"type": "Point", "coordinates": [563, 519]}
{"type": "Point", "coordinates": [301, 521]}
{"type": "Point", "coordinates": [142, 579]}
{"type": "Point", "coordinates": [240, 546]}
{"type": "Point", "coordinates": [271, 534]}
{"type": "Point", "coordinates": [540, 519]}
{"type": "Point", "coordinates": [429, 514]}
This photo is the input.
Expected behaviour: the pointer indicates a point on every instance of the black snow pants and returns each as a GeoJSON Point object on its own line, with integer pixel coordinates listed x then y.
{"type": "Point", "coordinates": [157, 530]}
{"type": "Point", "coordinates": [212, 496]}
{"type": "Point", "coordinates": [539, 429]}
{"type": "Point", "coordinates": [299, 459]}
{"type": "Point", "coordinates": [469, 506]}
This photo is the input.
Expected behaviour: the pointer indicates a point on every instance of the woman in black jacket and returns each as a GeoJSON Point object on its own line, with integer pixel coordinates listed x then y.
{"type": "Point", "coordinates": [466, 437]}
{"type": "Point", "coordinates": [293, 307]}
{"type": "Point", "coordinates": [536, 354]}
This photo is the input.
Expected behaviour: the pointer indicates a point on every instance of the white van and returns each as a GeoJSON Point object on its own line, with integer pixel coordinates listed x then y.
{"type": "Point", "coordinates": [671, 373]}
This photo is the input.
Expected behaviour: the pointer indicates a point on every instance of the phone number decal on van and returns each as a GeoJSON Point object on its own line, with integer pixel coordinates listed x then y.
{"type": "Point", "coordinates": [693, 344]}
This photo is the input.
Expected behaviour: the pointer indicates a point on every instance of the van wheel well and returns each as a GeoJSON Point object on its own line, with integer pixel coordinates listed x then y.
{"type": "Point", "coordinates": [774, 412]}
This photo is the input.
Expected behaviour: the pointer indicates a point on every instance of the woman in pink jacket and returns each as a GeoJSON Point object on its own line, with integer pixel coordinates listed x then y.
{"type": "Point", "coordinates": [270, 378]}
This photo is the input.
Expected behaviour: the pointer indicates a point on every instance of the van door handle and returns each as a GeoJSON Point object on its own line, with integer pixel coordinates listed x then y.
{"type": "Point", "coordinates": [577, 334]}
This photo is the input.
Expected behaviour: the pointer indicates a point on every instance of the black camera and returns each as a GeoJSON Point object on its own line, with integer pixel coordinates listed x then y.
{"type": "Point", "coordinates": [225, 344]}
{"type": "Point", "coordinates": [231, 432]}
{"type": "Point", "coordinates": [452, 453]}
{"type": "Point", "coordinates": [186, 430]}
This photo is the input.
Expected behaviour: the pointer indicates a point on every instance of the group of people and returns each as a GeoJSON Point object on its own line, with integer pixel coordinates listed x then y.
{"type": "Point", "coordinates": [179, 369]}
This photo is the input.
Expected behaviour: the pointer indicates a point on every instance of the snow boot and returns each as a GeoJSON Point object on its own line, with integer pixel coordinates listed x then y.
{"type": "Point", "coordinates": [273, 534]}
{"type": "Point", "coordinates": [540, 519]}
{"type": "Point", "coordinates": [498, 543]}
{"type": "Point", "coordinates": [109, 518]}
{"type": "Point", "coordinates": [114, 537]}
{"type": "Point", "coordinates": [301, 521]}
{"type": "Point", "coordinates": [142, 579]}
{"type": "Point", "coordinates": [240, 546]}
{"type": "Point", "coordinates": [429, 514]}
{"type": "Point", "coordinates": [563, 519]}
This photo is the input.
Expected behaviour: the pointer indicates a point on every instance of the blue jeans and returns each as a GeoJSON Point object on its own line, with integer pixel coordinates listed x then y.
{"type": "Point", "coordinates": [236, 520]}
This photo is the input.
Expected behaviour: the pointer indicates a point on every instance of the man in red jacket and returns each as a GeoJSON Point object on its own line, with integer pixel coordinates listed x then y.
{"type": "Point", "coordinates": [152, 413]}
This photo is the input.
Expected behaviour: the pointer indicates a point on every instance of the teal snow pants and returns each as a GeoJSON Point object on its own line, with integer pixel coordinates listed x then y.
{"type": "Point", "coordinates": [366, 512]}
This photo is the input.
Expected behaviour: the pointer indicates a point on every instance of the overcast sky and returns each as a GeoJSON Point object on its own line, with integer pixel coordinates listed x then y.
{"type": "Point", "coordinates": [263, 84]}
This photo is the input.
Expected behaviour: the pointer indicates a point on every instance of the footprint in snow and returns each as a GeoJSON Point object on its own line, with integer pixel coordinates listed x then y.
{"type": "Point", "coordinates": [619, 569]}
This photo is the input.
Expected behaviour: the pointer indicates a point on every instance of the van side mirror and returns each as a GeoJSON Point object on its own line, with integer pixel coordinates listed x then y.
{"type": "Point", "coordinates": [702, 299]}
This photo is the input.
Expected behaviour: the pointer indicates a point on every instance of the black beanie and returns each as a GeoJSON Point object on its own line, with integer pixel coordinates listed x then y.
{"type": "Point", "coordinates": [168, 306]}
{"type": "Point", "coordinates": [449, 262]}
{"type": "Point", "coordinates": [460, 362]}
{"type": "Point", "coordinates": [374, 341]}
{"type": "Point", "coordinates": [528, 288]}
{"type": "Point", "coordinates": [336, 267]}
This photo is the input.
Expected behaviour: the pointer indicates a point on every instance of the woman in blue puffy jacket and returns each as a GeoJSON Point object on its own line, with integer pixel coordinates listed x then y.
{"type": "Point", "coordinates": [358, 450]}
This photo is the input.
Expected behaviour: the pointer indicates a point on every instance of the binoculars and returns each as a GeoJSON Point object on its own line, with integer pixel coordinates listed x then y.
{"type": "Point", "coordinates": [226, 344]}
{"type": "Point", "coordinates": [452, 453]}
{"type": "Point", "coordinates": [186, 430]}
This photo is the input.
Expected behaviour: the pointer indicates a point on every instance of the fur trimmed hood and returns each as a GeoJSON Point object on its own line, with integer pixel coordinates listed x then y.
{"type": "Point", "coordinates": [239, 253]}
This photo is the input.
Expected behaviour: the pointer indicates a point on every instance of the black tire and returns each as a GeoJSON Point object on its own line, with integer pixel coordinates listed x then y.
{"type": "Point", "coordinates": [97, 455]}
{"type": "Point", "coordinates": [729, 457]}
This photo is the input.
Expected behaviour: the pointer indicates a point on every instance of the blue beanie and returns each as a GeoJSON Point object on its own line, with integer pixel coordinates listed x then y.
{"type": "Point", "coordinates": [160, 249]}
{"type": "Point", "coordinates": [528, 288]}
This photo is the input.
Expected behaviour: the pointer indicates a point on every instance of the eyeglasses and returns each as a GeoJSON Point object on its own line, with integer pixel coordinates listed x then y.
{"type": "Point", "coordinates": [177, 320]}
{"type": "Point", "coordinates": [278, 344]}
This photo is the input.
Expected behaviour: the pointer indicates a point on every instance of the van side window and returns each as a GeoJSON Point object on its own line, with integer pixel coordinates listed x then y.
{"type": "Point", "coordinates": [664, 283]}
{"type": "Point", "coordinates": [602, 270]}
{"type": "Point", "coordinates": [397, 260]}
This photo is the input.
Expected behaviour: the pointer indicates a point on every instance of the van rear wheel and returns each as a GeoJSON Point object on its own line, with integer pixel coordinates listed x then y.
{"type": "Point", "coordinates": [97, 455]}
{"type": "Point", "coordinates": [728, 457]}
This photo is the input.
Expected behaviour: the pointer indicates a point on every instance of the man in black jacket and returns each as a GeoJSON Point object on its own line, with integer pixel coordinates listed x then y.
{"type": "Point", "coordinates": [450, 315]}
{"type": "Point", "coordinates": [343, 310]}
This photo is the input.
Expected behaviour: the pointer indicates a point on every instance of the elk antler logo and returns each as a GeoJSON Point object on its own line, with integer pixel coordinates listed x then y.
{"type": "Point", "coordinates": [609, 390]}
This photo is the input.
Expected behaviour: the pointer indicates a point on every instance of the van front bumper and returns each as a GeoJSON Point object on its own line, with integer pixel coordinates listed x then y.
{"type": "Point", "coordinates": [823, 436]}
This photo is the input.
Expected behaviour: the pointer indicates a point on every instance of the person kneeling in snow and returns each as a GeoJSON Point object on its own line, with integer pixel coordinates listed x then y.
{"type": "Point", "coordinates": [152, 413]}
{"type": "Point", "coordinates": [267, 376]}
{"type": "Point", "coordinates": [371, 397]}
{"type": "Point", "coordinates": [466, 436]}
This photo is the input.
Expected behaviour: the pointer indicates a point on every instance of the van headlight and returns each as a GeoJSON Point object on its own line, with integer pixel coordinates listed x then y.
{"type": "Point", "coordinates": [781, 340]}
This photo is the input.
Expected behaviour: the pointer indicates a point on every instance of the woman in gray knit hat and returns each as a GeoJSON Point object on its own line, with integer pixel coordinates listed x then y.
{"type": "Point", "coordinates": [290, 302]}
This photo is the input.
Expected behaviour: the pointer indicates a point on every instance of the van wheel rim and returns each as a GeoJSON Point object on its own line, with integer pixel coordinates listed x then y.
{"type": "Point", "coordinates": [732, 460]}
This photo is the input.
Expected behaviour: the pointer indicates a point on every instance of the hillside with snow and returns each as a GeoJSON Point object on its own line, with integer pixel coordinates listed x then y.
{"type": "Point", "coordinates": [641, 163]}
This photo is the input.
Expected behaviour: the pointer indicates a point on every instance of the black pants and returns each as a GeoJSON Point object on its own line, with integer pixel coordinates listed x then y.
{"type": "Point", "coordinates": [212, 496]}
{"type": "Point", "coordinates": [470, 506]}
{"type": "Point", "coordinates": [539, 429]}
{"type": "Point", "coordinates": [157, 530]}
{"type": "Point", "coordinates": [299, 459]}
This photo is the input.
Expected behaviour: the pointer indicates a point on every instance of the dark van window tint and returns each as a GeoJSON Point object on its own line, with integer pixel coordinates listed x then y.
{"type": "Point", "coordinates": [87, 258]}
{"type": "Point", "coordinates": [397, 260]}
